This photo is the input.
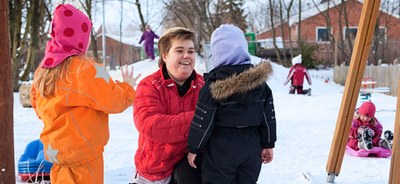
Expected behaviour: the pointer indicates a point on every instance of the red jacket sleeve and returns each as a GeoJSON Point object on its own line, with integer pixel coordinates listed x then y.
{"type": "Point", "coordinates": [153, 120]}
{"type": "Point", "coordinates": [290, 75]}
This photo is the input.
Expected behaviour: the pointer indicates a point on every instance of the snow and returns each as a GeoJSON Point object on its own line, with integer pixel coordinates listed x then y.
{"type": "Point", "coordinates": [305, 127]}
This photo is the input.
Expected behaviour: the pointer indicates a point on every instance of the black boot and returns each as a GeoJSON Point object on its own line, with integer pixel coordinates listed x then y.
{"type": "Point", "coordinates": [367, 139]}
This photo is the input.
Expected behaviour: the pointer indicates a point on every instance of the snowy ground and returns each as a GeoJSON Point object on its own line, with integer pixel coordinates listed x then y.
{"type": "Point", "coordinates": [305, 126]}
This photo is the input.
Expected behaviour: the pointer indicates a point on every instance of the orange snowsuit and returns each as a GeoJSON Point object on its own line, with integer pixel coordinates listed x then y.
{"type": "Point", "coordinates": [76, 120]}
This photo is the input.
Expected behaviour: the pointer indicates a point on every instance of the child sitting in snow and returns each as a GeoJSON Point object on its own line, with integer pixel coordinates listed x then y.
{"type": "Point", "coordinates": [296, 75]}
{"type": "Point", "coordinates": [366, 130]}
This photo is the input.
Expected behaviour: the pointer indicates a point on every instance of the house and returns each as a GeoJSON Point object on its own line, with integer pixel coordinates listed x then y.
{"type": "Point", "coordinates": [337, 38]}
{"type": "Point", "coordinates": [119, 50]}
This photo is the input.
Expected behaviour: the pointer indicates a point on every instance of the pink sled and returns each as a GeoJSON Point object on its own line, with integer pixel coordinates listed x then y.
{"type": "Point", "coordinates": [374, 152]}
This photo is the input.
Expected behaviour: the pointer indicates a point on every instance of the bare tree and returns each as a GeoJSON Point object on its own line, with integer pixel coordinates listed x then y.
{"type": "Point", "coordinates": [282, 27]}
{"type": "Point", "coordinates": [195, 15]}
{"type": "Point", "coordinates": [258, 16]}
{"type": "Point", "coordinates": [204, 16]}
{"type": "Point", "coordinates": [343, 16]}
{"type": "Point", "coordinates": [17, 43]}
{"type": "Point", "coordinates": [344, 39]}
{"type": "Point", "coordinates": [271, 13]}
{"type": "Point", "coordinates": [142, 21]}
{"type": "Point", "coordinates": [35, 18]}
{"type": "Point", "coordinates": [382, 49]}
{"type": "Point", "coordinates": [327, 17]}
{"type": "Point", "coordinates": [288, 10]}
{"type": "Point", "coordinates": [299, 40]}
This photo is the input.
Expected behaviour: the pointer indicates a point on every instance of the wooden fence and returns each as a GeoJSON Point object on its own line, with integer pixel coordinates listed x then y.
{"type": "Point", "coordinates": [385, 76]}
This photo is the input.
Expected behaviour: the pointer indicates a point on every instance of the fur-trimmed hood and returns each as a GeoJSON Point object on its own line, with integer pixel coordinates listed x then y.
{"type": "Point", "coordinates": [242, 82]}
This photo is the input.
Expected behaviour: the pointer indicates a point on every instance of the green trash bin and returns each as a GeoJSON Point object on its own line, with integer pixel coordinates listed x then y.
{"type": "Point", "coordinates": [251, 40]}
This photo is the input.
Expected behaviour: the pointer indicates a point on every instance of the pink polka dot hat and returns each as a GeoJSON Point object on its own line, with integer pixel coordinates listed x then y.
{"type": "Point", "coordinates": [70, 35]}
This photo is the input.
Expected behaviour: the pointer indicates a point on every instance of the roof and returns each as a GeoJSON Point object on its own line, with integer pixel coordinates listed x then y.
{"type": "Point", "coordinates": [128, 40]}
{"type": "Point", "coordinates": [315, 10]}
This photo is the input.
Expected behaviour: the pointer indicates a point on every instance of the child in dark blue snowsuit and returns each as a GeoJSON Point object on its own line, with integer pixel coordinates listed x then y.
{"type": "Point", "coordinates": [234, 124]}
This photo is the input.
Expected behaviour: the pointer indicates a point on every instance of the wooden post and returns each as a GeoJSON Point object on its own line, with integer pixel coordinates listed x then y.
{"type": "Point", "coordinates": [352, 87]}
{"type": "Point", "coordinates": [394, 176]}
{"type": "Point", "coordinates": [7, 165]}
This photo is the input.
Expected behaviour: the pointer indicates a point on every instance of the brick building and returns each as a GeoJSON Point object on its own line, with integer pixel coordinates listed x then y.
{"type": "Point", "coordinates": [316, 31]}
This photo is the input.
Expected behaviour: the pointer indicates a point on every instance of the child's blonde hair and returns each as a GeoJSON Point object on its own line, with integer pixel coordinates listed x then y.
{"type": "Point", "coordinates": [46, 78]}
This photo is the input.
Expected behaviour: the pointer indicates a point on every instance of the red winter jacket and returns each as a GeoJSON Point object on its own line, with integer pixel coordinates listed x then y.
{"type": "Point", "coordinates": [162, 118]}
{"type": "Point", "coordinates": [353, 135]}
{"type": "Point", "coordinates": [296, 74]}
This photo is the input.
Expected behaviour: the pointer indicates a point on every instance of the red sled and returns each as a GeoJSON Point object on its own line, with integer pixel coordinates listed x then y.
{"type": "Point", "coordinates": [374, 152]}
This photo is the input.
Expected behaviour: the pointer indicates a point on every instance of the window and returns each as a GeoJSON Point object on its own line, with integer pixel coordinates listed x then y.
{"type": "Point", "coordinates": [381, 34]}
{"type": "Point", "coordinates": [322, 34]}
{"type": "Point", "coordinates": [351, 31]}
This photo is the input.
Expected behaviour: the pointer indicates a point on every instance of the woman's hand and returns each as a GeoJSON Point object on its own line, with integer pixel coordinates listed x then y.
{"type": "Point", "coordinates": [191, 157]}
{"type": "Point", "coordinates": [127, 76]}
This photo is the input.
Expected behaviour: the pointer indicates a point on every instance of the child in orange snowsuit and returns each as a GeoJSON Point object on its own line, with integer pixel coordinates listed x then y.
{"type": "Point", "coordinates": [73, 96]}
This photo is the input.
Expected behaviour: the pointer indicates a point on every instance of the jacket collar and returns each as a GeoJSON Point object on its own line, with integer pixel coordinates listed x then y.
{"type": "Point", "coordinates": [240, 82]}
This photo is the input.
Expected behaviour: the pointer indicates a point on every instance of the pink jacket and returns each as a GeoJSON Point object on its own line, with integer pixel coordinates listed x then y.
{"type": "Point", "coordinates": [296, 74]}
{"type": "Point", "coordinates": [162, 118]}
{"type": "Point", "coordinates": [353, 135]}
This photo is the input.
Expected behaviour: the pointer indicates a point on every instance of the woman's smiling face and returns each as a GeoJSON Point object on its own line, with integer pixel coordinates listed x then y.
{"type": "Point", "coordinates": [180, 60]}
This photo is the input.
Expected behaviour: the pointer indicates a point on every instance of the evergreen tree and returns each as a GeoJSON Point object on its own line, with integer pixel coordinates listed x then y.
{"type": "Point", "coordinates": [232, 12]}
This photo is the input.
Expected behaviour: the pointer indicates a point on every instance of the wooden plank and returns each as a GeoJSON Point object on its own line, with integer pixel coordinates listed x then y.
{"type": "Point", "coordinates": [352, 87]}
{"type": "Point", "coordinates": [394, 177]}
{"type": "Point", "coordinates": [7, 165]}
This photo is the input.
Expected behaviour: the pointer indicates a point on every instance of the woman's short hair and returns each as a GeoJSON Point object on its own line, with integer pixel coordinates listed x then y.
{"type": "Point", "coordinates": [165, 41]}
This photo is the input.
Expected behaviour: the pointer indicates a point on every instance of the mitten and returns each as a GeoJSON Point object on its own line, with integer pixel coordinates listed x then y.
{"type": "Point", "coordinates": [360, 129]}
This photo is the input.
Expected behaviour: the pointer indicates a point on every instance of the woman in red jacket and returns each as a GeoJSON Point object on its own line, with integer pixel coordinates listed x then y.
{"type": "Point", "coordinates": [164, 107]}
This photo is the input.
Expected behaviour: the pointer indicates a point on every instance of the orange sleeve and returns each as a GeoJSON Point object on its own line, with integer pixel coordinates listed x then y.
{"type": "Point", "coordinates": [95, 88]}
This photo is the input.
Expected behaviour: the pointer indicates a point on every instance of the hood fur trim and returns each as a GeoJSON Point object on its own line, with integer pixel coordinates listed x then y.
{"type": "Point", "coordinates": [241, 83]}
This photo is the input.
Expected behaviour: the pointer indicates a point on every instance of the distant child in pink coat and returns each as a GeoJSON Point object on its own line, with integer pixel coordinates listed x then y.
{"type": "Point", "coordinates": [296, 75]}
{"type": "Point", "coordinates": [366, 130]}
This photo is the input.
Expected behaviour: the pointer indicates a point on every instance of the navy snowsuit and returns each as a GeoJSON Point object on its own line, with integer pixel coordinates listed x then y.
{"type": "Point", "coordinates": [234, 119]}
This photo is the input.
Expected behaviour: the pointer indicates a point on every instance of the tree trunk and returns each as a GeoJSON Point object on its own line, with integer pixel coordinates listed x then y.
{"type": "Point", "coordinates": [17, 46]}
{"type": "Point", "coordinates": [7, 165]}
{"type": "Point", "coordinates": [288, 9]}
{"type": "Point", "coordinates": [271, 13]}
{"type": "Point", "coordinates": [36, 8]}
{"type": "Point", "coordinates": [299, 42]}
{"type": "Point", "coordinates": [285, 61]}
{"type": "Point", "coordinates": [339, 39]}
{"type": "Point", "coordinates": [328, 22]}
{"type": "Point", "coordinates": [141, 15]}
{"type": "Point", "coordinates": [350, 40]}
